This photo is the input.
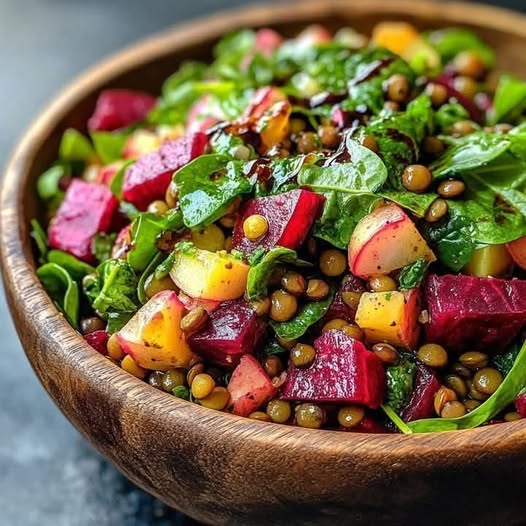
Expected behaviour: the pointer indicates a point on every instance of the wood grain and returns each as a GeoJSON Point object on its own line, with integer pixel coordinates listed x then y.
{"type": "Point", "coordinates": [218, 468]}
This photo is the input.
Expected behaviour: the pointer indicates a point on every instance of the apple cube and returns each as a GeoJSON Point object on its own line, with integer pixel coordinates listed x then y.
{"type": "Point", "coordinates": [119, 108]}
{"type": "Point", "coordinates": [421, 403]}
{"type": "Point", "coordinates": [390, 317]}
{"type": "Point", "coordinates": [232, 330]}
{"type": "Point", "coordinates": [344, 371]}
{"type": "Point", "coordinates": [290, 217]}
{"type": "Point", "coordinates": [153, 337]}
{"type": "Point", "coordinates": [209, 275]}
{"type": "Point", "coordinates": [517, 250]}
{"type": "Point", "coordinates": [148, 178]}
{"type": "Point", "coordinates": [249, 387]}
{"type": "Point", "coordinates": [386, 240]}
{"type": "Point", "coordinates": [86, 210]}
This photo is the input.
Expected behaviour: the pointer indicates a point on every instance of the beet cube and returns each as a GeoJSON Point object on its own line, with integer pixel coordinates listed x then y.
{"type": "Point", "coordinates": [148, 178]}
{"type": "Point", "coordinates": [421, 403]}
{"type": "Point", "coordinates": [87, 209]}
{"type": "Point", "coordinates": [520, 404]}
{"type": "Point", "coordinates": [232, 330]}
{"type": "Point", "coordinates": [344, 371]}
{"type": "Point", "coordinates": [249, 387]}
{"type": "Point", "coordinates": [471, 313]}
{"type": "Point", "coordinates": [290, 217]}
{"type": "Point", "coordinates": [340, 309]}
{"type": "Point", "coordinates": [98, 340]}
{"type": "Point", "coordinates": [119, 108]}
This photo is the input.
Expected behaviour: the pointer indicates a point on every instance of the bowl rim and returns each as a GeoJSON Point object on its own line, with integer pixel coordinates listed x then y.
{"type": "Point", "coordinates": [16, 260]}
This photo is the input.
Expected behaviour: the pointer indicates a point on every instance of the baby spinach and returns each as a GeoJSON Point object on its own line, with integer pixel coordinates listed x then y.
{"type": "Point", "coordinates": [63, 290]}
{"type": "Point", "coordinates": [504, 362]}
{"type": "Point", "coordinates": [109, 145]}
{"type": "Point", "coordinates": [400, 380]}
{"type": "Point", "coordinates": [510, 99]}
{"type": "Point", "coordinates": [309, 314]}
{"type": "Point", "coordinates": [118, 179]}
{"type": "Point", "coordinates": [260, 273]}
{"type": "Point", "coordinates": [448, 114]}
{"type": "Point", "coordinates": [148, 271]}
{"type": "Point", "coordinates": [102, 245]}
{"type": "Point", "coordinates": [76, 269]}
{"type": "Point", "coordinates": [497, 402]}
{"type": "Point", "coordinates": [39, 236]}
{"type": "Point", "coordinates": [412, 276]}
{"type": "Point", "coordinates": [48, 184]}
{"type": "Point", "coordinates": [164, 268]}
{"type": "Point", "coordinates": [397, 421]}
{"type": "Point", "coordinates": [75, 147]}
{"type": "Point", "coordinates": [207, 185]}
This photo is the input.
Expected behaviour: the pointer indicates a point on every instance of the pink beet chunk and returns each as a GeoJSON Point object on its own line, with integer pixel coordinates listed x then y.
{"type": "Point", "coordinates": [344, 371]}
{"type": "Point", "coordinates": [520, 404]}
{"type": "Point", "coordinates": [290, 217]}
{"type": "Point", "coordinates": [148, 178]}
{"type": "Point", "coordinates": [421, 404]}
{"type": "Point", "coordinates": [471, 313]}
{"type": "Point", "coordinates": [119, 108]}
{"type": "Point", "coordinates": [87, 209]}
{"type": "Point", "coordinates": [98, 340]}
{"type": "Point", "coordinates": [233, 330]}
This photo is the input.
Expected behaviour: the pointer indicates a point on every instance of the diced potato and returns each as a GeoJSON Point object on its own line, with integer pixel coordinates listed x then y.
{"type": "Point", "coordinates": [390, 317]}
{"type": "Point", "coordinates": [209, 275]}
{"type": "Point", "coordinates": [493, 260]}
{"type": "Point", "coordinates": [395, 36]}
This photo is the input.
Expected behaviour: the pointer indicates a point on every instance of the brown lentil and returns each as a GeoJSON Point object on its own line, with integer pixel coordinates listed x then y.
{"type": "Point", "coordinates": [194, 320]}
{"type": "Point", "coordinates": [386, 352]}
{"type": "Point", "coordinates": [302, 355]}
{"type": "Point", "coordinates": [255, 227]}
{"type": "Point", "coordinates": [453, 409]}
{"type": "Point", "coordinates": [466, 86]}
{"type": "Point", "coordinates": [228, 243]}
{"type": "Point", "coordinates": [451, 188]}
{"type": "Point", "coordinates": [284, 306]}
{"type": "Point", "coordinates": [155, 379]}
{"type": "Point", "coordinates": [333, 262]}
{"type": "Point", "coordinates": [158, 207]}
{"type": "Point", "coordinates": [432, 146]}
{"type": "Point", "coordinates": [473, 359]}
{"type": "Point", "coordinates": [218, 399]}
{"type": "Point", "coordinates": [114, 348]}
{"type": "Point", "coordinates": [272, 366]}
{"type": "Point", "coordinates": [317, 289]}
{"type": "Point", "coordinates": [202, 385]}
{"type": "Point", "coordinates": [433, 355]}
{"type": "Point", "coordinates": [279, 411]}
{"type": "Point", "coordinates": [462, 128]}
{"type": "Point", "coordinates": [297, 126]}
{"type": "Point", "coordinates": [286, 344]}
{"type": "Point", "coordinates": [436, 211]}
{"type": "Point", "coordinates": [350, 416]}
{"type": "Point", "coordinates": [457, 383]}
{"type": "Point", "coordinates": [129, 365]}
{"type": "Point", "coordinates": [196, 369]}
{"type": "Point", "coordinates": [474, 392]}
{"type": "Point", "coordinates": [335, 324]}
{"type": "Point", "coordinates": [262, 306]}
{"type": "Point", "coordinates": [294, 283]}
{"type": "Point", "coordinates": [369, 142]}
{"type": "Point", "coordinates": [382, 284]}
{"type": "Point", "coordinates": [353, 331]}
{"type": "Point", "coordinates": [503, 128]}
{"type": "Point", "coordinates": [310, 415]}
{"type": "Point", "coordinates": [153, 286]}
{"type": "Point", "coordinates": [171, 196]}
{"type": "Point", "coordinates": [92, 324]}
{"type": "Point", "coordinates": [416, 178]}
{"type": "Point", "coordinates": [391, 106]}
{"type": "Point", "coordinates": [471, 404]}
{"type": "Point", "coordinates": [461, 370]}
{"type": "Point", "coordinates": [487, 380]}
{"type": "Point", "coordinates": [329, 136]}
{"type": "Point", "coordinates": [397, 88]}
{"type": "Point", "coordinates": [437, 93]}
{"type": "Point", "coordinates": [209, 238]}
{"type": "Point", "coordinates": [351, 298]}
{"type": "Point", "coordinates": [468, 64]}
{"type": "Point", "coordinates": [512, 416]}
{"type": "Point", "coordinates": [307, 142]}
{"type": "Point", "coordinates": [442, 397]}
{"type": "Point", "coordinates": [259, 415]}
{"type": "Point", "coordinates": [172, 379]}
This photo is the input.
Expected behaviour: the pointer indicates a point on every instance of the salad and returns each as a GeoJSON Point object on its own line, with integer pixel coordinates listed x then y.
{"type": "Point", "coordinates": [327, 231]}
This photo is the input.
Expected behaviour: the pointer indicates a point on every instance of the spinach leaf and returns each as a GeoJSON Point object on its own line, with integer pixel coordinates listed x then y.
{"type": "Point", "coordinates": [76, 269]}
{"type": "Point", "coordinates": [118, 180]}
{"type": "Point", "coordinates": [400, 380]}
{"type": "Point", "coordinates": [207, 185]}
{"type": "Point", "coordinates": [48, 184]}
{"type": "Point", "coordinates": [412, 276]}
{"type": "Point", "coordinates": [274, 348]}
{"type": "Point", "coordinates": [510, 99]}
{"type": "Point", "coordinates": [39, 236]}
{"type": "Point", "coordinates": [102, 245]}
{"type": "Point", "coordinates": [117, 320]}
{"type": "Point", "coordinates": [230, 52]}
{"type": "Point", "coordinates": [148, 271]}
{"type": "Point", "coordinates": [448, 114]}
{"type": "Point", "coordinates": [187, 72]}
{"type": "Point", "coordinates": [164, 268]}
{"type": "Point", "coordinates": [416, 203]}
{"type": "Point", "coordinates": [451, 41]}
{"type": "Point", "coordinates": [75, 147]}
{"type": "Point", "coordinates": [309, 314]}
{"type": "Point", "coordinates": [63, 290]}
{"type": "Point", "coordinates": [260, 273]}
{"type": "Point", "coordinates": [109, 145]}
{"type": "Point", "coordinates": [397, 421]}
{"type": "Point", "coordinates": [497, 402]}
{"type": "Point", "coordinates": [504, 362]}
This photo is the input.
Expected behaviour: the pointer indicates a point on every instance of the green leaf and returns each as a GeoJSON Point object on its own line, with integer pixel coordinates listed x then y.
{"type": "Point", "coordinates": [77, 269]}
{"type": "Point", "coordinates": [400, 380]}
{"type": "Point", "coordinates": [164, 268]}
{"type": "Point", "coordinates": [309, 314]}
{"type": "Point", "coordinates": [412, 276]}
{"type": "Point", "coordinates": [48, 183]}
{"type": "Point", "coordinates": [63, 290]}
{"type": "Point", "coordinates": [148, 271]}
{"type": "Point", "coordinates": [506, 393]}
{"type": "Point", "coordinates": [207, 185]}
{"type": "Point", "coordinates": [510, 98]}
{"type": "Point", "coordinates": [187, 72]}
{"type": "Point", "coordinates": [41, 241]}
{"type": "Point", "coordinates": [102, 245]}
{"type": "Point", "coordinates": [118, 180]}
{"type": "Point", "coordinates": [117, 320]}
{"type": "Point", "coordinates": [109, 145]}
{"type": "Point", "coordinates": [448, 114]}
{"type": "Point", "coordinates": [504, 362]}
{"type": "Point", "coordinates": [260, 273]}
{"type": "Point", "coordinates": [75, 147]}
{"type": "Point", "coordinates": [397, 421]}
{"type": "Point", "coordinates": [274, 348]}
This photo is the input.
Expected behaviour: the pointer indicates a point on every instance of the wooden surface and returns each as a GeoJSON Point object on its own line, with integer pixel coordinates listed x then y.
{"type": "Point", "coordinates": [220, 468]}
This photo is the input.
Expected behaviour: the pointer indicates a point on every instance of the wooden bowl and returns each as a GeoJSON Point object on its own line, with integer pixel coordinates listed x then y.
{"type": "Point", "coordinates": [219, 468]}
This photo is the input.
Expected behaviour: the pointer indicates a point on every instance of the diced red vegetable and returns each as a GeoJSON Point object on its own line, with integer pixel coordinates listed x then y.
{"type": "Point", "coordinates": [340, 309]}
{"type": "Point", "coordinates": [290, 217]}
{"type": "Point", "coordinates": [249, 387]}
{"type": "Point", "coordinates": [147, 179]}
{"type": "Point", "coordinates": [193, 303]}
{"type": "Point", "coordinates": [369, 424]}
{"type": "Point", "coordinates": [98, 340]}
{"type": "Point", "coordinates": [260, 102]}
{"type": "Point", "coordinates": [119, 108]}
{"type": "Point", "coordinates": [233, 330]}
{"type": "Point", "coordinates": [123, 243]}
{"type": "Point", "coordinates": [520, 404]}
{"type": "Point", "coordinates": [421, 404]}
{"type": "Point", "coordinates": [468, 312]}
{"type": "Point", "coordinates": [87, 209]}
{"type": "Point", "coordinates": [344, 371]}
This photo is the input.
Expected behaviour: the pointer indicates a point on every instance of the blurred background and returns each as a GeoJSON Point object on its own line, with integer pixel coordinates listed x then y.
{"type": "Point", "coordinates": [49, 476]}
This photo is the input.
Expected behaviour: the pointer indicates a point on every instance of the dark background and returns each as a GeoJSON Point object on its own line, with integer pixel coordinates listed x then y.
{"type": "Point", "coordinates": [48, 475]}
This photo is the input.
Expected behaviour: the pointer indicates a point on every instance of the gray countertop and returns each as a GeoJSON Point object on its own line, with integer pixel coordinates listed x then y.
{"type": "Point", "coordinates": [49, 476]}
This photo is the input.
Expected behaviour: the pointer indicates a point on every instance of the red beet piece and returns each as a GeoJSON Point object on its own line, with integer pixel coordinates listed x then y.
{"type": "Point", "coordinates": [369, 424]}
{"type": "Point", "coordinates": [232, 330]}
{"type": "Point", "coordinates": [344, 371]}
{"type": "Point", "coordinates": [98, 340]}
{"type": "Point", "coordinates": [87, 209]}
{"type": "Point", "coordinates": [290, 217]}
{"type": "Point", "coordinates": [118, 108]}
{"type": "Point", "coordinates": [249, 387]}
{"type": "Point", "coordinates": [447, 80]}
{"type": "Point", "coordinates": [338, 308]}
{"type": "Point", "coordinates": [148, 178]}
{"type": "Point", "coordinates": [520, 404]}
{"type": "Point", "coordinates": [470, 313]}
{"type": "Point", "coordinates": [421, 404]}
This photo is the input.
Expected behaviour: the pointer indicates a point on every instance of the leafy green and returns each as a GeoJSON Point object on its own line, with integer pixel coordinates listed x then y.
{"type": "Point", "coordinates": [448, 114]}
{"type": "Point", "coordinates": [48, 184]}
{"type": "Point", "coordinates": [74, 267]}
{"type": "Point", "coordinates": [412, 276]}
{"type": "Point", "coordinates": [504, 362]}
{"type": "Point", "coordinates": [109, 145]}
{"type": "Point", "coordinates": [118, 179]}
{"type": "Point", "coordinates": [309, 314]}
{"type": "Point", "coordinates": [102, 245]}
{"type": "Point", "coordinates": [497, 402]}
{"type": "Point", "coordinates": [509, 100]}
{"type": "Point", "coordinates": [117, 320]}
{"type": "Point", "coordinates": [397, 421]}
{"type": "Point", "coordinates": [400, 380]}
{"type": "Point", "coordinates": [187, 72]}
{"type": "Point", "coordinates": [39, 236]}
{"type": "Point", "coordinates": [148, 271]}
{"type": "Point", "coordinates": [63, 290]}
{"type": "Point", "coordinates": [274, 348]}
{"type": "Point", "coordinates": [181, 391]}
{"type": "Point", "coordinates": [164, 268]}
{"type": "Point", "coordinates": [260, 273]}
{"type": "Point", "coordinates": [75, 147]}
{"type": "Point", "coordinates": [207, 185]}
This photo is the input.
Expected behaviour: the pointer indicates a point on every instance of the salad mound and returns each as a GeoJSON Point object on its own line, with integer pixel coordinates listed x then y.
{"type": "Point", "coordinates": [327, 231]}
